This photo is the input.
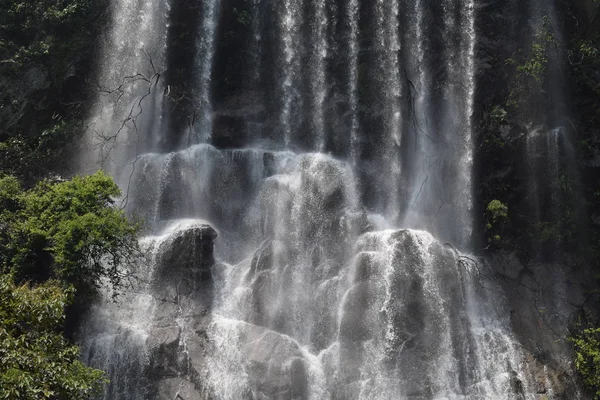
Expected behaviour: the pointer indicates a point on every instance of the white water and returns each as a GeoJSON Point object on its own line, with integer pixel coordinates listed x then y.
{"type": "Point", "coordinates": [123, 125]}
{"type": "Point", "coordinates": [289, 66]}
{"type": "Point", "coordinates": [352, 16]}
{"type": "Point", "coordinates": [325, 289]}
{"type": "Point", "coordinates": [317, 63]}
{"type": "Point", "coordinates": [205, 56]}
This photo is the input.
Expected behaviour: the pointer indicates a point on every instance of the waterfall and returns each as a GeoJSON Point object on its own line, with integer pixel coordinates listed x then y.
{"type": "Point", "coordinates": [352, 16]}
{"type": "Point", "coordinates": [389, 45]}
{"type": "Point", "coordinates": [289, 66]}
{"type": "Point", "coordinates": [548, 140]}
{"type": "Point", "coordinates": [340, 271]}
{"type": "Point", "coordinates": [128, 114]}
{"type": "Point", "coordinates": [465, 163]}
{"type": "Point", "coordinates": [317, 77]}
{"type": "Point", "coordinates": [205, 55]}
{"type": "Point", "coordinates": [256, 41]}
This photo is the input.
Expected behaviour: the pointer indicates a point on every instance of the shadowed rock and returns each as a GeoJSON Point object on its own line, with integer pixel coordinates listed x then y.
{"type": "Point", "coordinates": [189, 249]}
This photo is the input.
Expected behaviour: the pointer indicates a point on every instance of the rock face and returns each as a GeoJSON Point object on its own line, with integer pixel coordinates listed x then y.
{"type": "Point", "coordinates": [188, 251]}
{"type": "Point", "coordinates": [161, 324]}
{"type": "Point", "coordinates": [544, 300]}
{"type": "Point", "coordinates": [183, 292]}
{"type": "Point", "coordinates": [408, 315]}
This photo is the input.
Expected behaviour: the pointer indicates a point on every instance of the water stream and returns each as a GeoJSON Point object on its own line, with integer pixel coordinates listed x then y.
{"type": "Point", "coordinates": [342, 273]}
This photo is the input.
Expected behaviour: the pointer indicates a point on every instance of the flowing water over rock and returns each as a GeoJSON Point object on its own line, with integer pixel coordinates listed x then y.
{"type": "Point", "coordinates": [339, 181]}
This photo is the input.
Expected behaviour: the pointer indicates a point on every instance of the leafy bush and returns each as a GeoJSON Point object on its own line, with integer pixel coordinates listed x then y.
{"type": "Point", "coordinates": [36, 362]}
{"type": "Point", "coordinates": [531, 65]}
{"type": "Point", "coordinates": [68, 230]}
{"type": "Point", "coordinates": [497, 210]}
{"type": "Point", "coordinates": [497, 216]}
{"type": "Point", "coordinates": [587, 358]}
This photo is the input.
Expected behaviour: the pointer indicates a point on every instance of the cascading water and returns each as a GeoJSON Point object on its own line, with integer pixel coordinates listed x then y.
{"type": "Point", "coordinates": [316, 62]}
{"type": "Point", "coordinates": [352, 91]}
{"type": "Point", "coordinates": [549, 153]}
{"type": "Point", "coordinates": [128, 118]}
{"type": "Point", "coordinates": [334, 280]}
{"type": "Point", "coordinates": [205, 56]}
{"type": "Point", "coordinates": [289, 65]}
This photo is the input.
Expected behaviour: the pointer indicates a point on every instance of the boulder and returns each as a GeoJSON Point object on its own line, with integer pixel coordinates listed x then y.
{"type": "Point", "coordinates": [182, 289]}
{"type": "Point", "coordinates": [163, 344]}
{"type": "Point", "coordinates": [189, 248]}
{"type": "Point", "coordinates": [273, 362]}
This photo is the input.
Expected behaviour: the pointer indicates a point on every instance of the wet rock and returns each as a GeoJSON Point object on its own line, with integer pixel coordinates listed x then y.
{"type": "Point", "coordinates": [354, 327]}
{"type": "Point", "coordinates": [323, 182]}
{"type": "Point", "coordinates": [516, 385]}
{"type": "Point", "coordinates": [542, 298]}
{"type": "Point", "coordinates": [183, 294]}
{"type": "Point", "coordinates": [178, 389]}
{"type": "Point", "coordinates": [541, 388]}
{"type": "Point", "coordinates": [507, 264]}
{"type": "Point", "coordinates": [163, 344]}
{"type": "Point", "coordinates": [271, 359]}
{"type": "Point", "coordinates": [299, 381]}
{"type": "Point", "coordinates": [189, 249]}
{"type": "Point", "coordinates": [364, 266]}
{"type": "Point", "coordinates": [265, 257]}
{"type": "Point", "coordinates": [269, 163]}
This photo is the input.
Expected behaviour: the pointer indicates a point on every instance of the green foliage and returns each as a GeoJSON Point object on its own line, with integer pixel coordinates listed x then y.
{"type": "Point", "coordinates": [34, 29]}
{"type": "Point", "coordinates": [497, 210]}
{"type": "Point", "coordinates": [29, 156]}
{"type": "Point", "coordinates": [36, 362]}
{"type": "Point", "coordinates": [531, 66]}
{"type": "Point", "coordinates": [587, 358]}
{"type": "Point", "coordinates": [242, 16]}
{"type": "Point", "coordinates": [45, 52]}
{"type": "Point", "coordinates": [69, 230]}
{"type": "Point", "coordinates": [69, 238]}
{"type": "Point", "coordinates": [497, 216]}
{"type": "Point", "coordinates": [499, 115]}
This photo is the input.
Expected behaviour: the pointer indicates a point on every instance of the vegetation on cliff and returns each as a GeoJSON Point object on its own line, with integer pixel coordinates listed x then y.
{"type": "Point", "coordinates": [58, 239]}
{"type": "Point", "coordinates": [36, 361]}
{"type": "Point", "coordinates": [539, 137]}
{"type": "Point", "coordinates": [587, 358]}
{"type": "Point", "coordinates": [70, 231]}
{"type": "Point", "coordinates": [58, 242]}
{"type": "Point", "coordinates": [46, 50]}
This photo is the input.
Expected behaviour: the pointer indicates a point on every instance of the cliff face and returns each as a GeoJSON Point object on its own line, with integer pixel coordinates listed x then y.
{"type": "Point", "coordinates": [344, 151]}
{"type": "Point", "coordinates": [533, 155]}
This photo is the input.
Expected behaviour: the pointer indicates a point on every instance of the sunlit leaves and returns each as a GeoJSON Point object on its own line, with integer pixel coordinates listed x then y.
{"type": "Point", "coordinates": [36, 362]}
{"type": "Point", "coordinates": [587, 358]}
{"type": "Point", "coordinates": [68, 230]}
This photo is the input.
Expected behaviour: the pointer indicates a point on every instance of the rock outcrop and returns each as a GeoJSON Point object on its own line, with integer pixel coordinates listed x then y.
{"type": "Point", "coordinates": [183, 293]}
